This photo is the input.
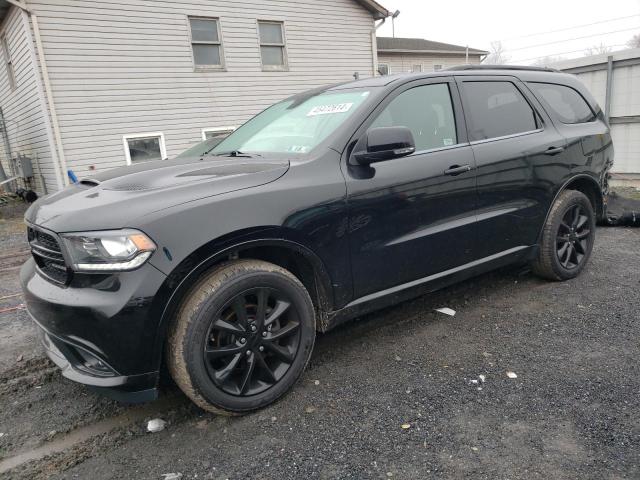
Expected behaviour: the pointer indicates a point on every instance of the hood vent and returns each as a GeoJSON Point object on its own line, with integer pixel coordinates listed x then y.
{"type": "Point", "coordinates": [89, 182]}
{"type": "Point", "coordinates": [130, 187]}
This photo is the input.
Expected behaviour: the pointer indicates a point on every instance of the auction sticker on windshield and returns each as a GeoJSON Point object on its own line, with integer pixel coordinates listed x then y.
{"type": "Point", "coordinates": [329, 109]}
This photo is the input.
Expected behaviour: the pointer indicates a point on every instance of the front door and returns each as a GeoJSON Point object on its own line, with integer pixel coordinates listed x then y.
{"type": "Point", "coordinates": [413, 217]}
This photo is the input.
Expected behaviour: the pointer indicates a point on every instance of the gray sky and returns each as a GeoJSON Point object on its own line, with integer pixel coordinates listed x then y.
{"type": "Point", "coordinates": [521, 26]}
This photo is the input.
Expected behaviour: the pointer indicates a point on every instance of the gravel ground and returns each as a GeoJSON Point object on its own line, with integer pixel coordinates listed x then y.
{"type": "Point", "coordinates": [396, 394]}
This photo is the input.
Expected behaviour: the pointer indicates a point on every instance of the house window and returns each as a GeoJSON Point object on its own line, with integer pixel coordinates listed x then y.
{"type": "Point", "coordinates": [437, 67]}
{"type": "Point", "coordinates": [416, 68]}
{"type": "Point", "coordinates": [144, 147]}
{"type": "Point", "coordinates": [221, 133]}
{"type": "Point", "coordinates": [206, 42]}
{"type": "Point", "coordinates": [383, 68]}
{"type": "Point", "coordinates": [272, 46]}
{"type": "Point", "coordinates": [9, 63]}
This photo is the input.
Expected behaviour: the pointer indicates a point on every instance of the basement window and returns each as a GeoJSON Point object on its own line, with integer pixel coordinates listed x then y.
{"type": "Point", "coordinates": [437, 67]}
{"type": "Point", "coordinates": [416, 68]}
{"type": "Point", "coordinates": [144, 147]}
{"type": "Point", "coordinates": [272, 46]}
{"type": "Point", "coordinates": [206, 43]}
{"type": "Point", "coordinates": [383, 69]}
{"type": "Point", "coordinates": [221, 133]}
{"type": "Point", "coordinates": [11, 75]}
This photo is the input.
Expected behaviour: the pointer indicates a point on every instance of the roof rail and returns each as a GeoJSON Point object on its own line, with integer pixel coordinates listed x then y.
{"type": "Point", "coordinates": [502, 67]}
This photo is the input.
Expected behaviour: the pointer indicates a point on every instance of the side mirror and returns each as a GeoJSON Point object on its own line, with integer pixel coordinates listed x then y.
{"type": "Point", "coordinates": [385, 143]}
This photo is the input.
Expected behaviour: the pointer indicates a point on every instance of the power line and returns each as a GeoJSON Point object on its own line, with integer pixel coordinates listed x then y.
{"type": "Point", "coordinates": [572, 39]}
{"type": "Point", "coordinates": [571, 28]}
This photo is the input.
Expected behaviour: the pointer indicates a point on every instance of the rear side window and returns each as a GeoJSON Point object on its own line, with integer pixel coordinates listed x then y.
{"type": "Point", "coordinates": [496, 109]}
{"type": "Point", "coordinates": [565, 102]}
{"type": "Point", "coordinates": [426, 111]}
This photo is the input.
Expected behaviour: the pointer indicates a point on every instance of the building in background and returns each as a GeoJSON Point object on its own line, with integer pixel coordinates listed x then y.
{"type": "Point", "coordinates": [614, 81]}
{"type": "Point", "coordinates": [403, 55]}
{"type": "Point", "coordinates": [90, 85]}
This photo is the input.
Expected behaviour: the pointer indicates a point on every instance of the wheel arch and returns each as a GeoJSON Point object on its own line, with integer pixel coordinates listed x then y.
{"type": "Point", "coordinates": [585, 184]}
{"type": "Point", "coordinates": [590, 187]}
{"type": "Point", "coordinates": [268, 244]}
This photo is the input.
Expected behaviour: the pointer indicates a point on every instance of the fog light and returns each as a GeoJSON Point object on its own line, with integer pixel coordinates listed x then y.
{"type": "Point", "coordinates": [93, 364]}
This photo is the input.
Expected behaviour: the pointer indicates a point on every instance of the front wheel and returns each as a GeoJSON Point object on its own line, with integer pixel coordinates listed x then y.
{"type": "Point", "coordinates": [567, 237]}
{"type": "Point", "coordinates": [242, 337]}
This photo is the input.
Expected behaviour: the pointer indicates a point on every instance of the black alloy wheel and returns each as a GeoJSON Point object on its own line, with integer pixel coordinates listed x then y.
{"type": "Point", "coordinates": [242, 336]}
{"type": "Point", "coordinates": [252, 341]}
{"type": "Point", "coordinates": [567, 237]}
{"type": "Point", "coordinates": [572, 241]}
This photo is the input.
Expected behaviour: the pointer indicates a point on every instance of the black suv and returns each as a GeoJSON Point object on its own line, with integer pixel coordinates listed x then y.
{"type": "Point", "coordinates": [221, 265]}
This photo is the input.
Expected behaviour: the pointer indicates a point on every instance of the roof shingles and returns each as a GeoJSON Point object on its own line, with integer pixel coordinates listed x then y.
{"type": "Point", "coordinates": [416, 45]}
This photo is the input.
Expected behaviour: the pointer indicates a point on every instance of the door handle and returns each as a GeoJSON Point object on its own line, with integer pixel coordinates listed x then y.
{"type": "Point", "coordinates": [457, 169]}
{"type": "Point", "coordinates": [553, 150]}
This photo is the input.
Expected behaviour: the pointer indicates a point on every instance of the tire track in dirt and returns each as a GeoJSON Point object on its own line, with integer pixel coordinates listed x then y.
{"type": "Point", "coordinates": [75, 446]}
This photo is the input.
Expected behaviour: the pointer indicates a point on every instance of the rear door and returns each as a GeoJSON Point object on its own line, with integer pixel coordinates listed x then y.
{"type": "Point", "coordinates": [414, 216]}
{"type": "Point", "coordinates": [586, 131]}
{"type": "Point", "coordinates": [519, 156]}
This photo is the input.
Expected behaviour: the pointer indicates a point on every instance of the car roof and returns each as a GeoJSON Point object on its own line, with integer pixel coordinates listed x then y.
{"type": "Point", "coordinates": [525, 73]}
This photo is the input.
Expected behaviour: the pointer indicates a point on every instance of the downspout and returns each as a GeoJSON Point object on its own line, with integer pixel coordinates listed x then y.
{"type": "Point", "coordinates": [61, 177]}
{"type": "Point", "coordinates": [374, 45]}
{"type": "Point", "coordinates": [42, 98]}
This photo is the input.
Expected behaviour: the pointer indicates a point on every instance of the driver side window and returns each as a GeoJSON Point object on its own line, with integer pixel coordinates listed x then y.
{"type": "Point", "coordinates": [425, 110]}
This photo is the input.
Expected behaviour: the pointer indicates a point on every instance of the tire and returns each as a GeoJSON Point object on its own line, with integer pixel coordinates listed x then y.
{"type": "Point", "coordinates": [242, 337]}
{"type": "Point", "coordinates": [567, 240]}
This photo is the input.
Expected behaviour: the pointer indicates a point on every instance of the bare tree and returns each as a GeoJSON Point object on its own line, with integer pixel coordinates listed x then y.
{"type": "Point", "coordinates": [497, 55]}
{"type": "Point", "coordinates": [548, 60]}
{"type": "Point", "coordinates": [597, 50]}
{"type": "Point", "coordinates": [634, 42]}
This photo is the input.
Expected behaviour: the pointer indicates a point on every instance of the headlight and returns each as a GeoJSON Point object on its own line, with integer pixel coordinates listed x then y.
{"type": "Point", "coordinates": [116, 250]}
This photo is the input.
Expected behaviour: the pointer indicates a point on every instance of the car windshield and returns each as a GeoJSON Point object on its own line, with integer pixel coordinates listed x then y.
{"type": "Point", "coordinates": [201, 148]}
{"type": "Point", "coordinates": [295, 125]}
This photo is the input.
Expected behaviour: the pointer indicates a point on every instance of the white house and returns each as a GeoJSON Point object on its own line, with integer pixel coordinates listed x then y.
{"type": "Point", "coordinates": [402, 55]}
{"type": "Point", "coordinates": [89, 85]}
{"type": "Point", "coordinates": [614, 81]}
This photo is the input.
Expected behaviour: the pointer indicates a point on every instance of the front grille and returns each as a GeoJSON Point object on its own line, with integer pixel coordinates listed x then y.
{"type": "Point", "coordinates": [48, 255]}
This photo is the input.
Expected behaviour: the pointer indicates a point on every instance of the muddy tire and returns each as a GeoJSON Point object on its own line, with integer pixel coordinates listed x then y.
{"type": "Point", "coordinates": [567, 237]}
{"type": "Point", "coordinates": [242, 337]}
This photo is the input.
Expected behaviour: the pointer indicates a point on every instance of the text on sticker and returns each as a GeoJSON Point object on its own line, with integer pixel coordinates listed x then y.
{"type": "Point", "coordinates": [329, 109]}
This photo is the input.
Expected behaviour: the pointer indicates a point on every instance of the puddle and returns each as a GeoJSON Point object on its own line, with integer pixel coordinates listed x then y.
{"type": "Point", "coordinates": [68, 440]}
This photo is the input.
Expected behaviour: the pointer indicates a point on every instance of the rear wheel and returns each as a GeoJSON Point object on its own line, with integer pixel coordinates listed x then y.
{"type": "Point", "coordinates": [567, 237]}
{"type": "Point", "coordinates": [242, 337]}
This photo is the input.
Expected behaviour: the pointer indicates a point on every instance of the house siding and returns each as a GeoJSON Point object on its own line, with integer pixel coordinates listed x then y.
{"type": "Point", "coordinates": [125, 67]}
{"type": "Point", "coordinates": [22, 108]}
{"type": "Point", "coordinates": [403, 63]}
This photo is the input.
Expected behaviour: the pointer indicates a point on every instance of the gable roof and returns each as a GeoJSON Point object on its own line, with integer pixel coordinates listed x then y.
{"type": "Point", "coordinates": [420, 45]}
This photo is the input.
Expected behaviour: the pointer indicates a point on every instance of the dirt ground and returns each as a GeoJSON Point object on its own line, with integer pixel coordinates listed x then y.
{"type": "Point", "coordinates": [402, 393]}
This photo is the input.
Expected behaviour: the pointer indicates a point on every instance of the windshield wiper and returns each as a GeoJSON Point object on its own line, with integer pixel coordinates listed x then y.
{"type": "Point", "coordinates": [238, 153]}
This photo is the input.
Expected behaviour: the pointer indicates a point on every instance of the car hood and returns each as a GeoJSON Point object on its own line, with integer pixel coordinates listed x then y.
{"type": "Point", "coordinates": [113, 199]}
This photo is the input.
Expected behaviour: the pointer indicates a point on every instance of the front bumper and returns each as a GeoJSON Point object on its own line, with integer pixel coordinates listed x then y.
{"type": "Point", "coordinates": [129, 389]}
{"type": "Point", "coordinates": [100, 331]}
